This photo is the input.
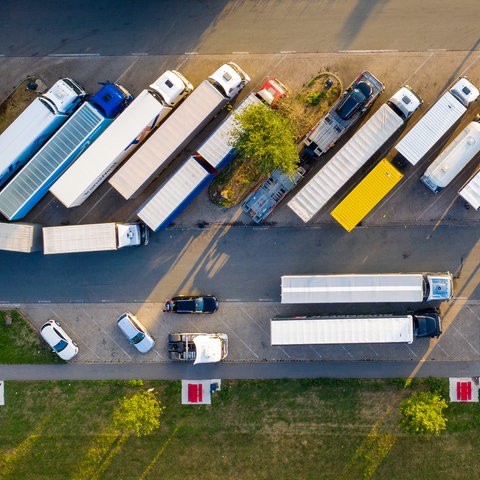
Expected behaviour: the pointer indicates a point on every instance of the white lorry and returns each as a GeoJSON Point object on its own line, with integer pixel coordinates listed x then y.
{"type": "Point", "coordinates": [355, 153]}
{"type": "Point", "coordinates": [367, 288]}
{"type": "Point", "coordinates": [198, 347]}
{"type": "Point", "coordinates": [75, 136]}
{"type": "Point", "coordinates": [177, 131]}
{"type": "Point", "coordinates": [93, 237]}
{"type": "Point", "coordinates": [183, 186]}
{"type": "Point", "coordinates": [437, 121]}
{"type": "Point", "coordinates": [20, 237]}
{"type": "Point", "coordinates": [33, 127]}
{"type": "Point", "coordinates": [453, 158]}
{"type": "Point", "coordinates": [337, 330]}
{"type": "Point", "coordinates": [121, 138]}
{"type": "Point", "coordinates": [354, 102]}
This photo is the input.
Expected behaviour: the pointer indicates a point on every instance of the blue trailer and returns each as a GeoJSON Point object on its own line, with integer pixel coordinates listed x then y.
{"type": "Point", "coordinates": [74, 137]}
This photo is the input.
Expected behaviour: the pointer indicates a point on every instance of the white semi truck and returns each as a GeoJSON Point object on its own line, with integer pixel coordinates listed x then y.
{"type": "Point", "coordinates": [20, 237]}
{"type": "Point", "coordinates": [183, 186]}
{"type": "Point", "coordinates": [367, 288]}
{"type": "Point", "coordinates": [93, 237]}
{"type": "Point", "coordinates": [75, 136]}
{"type": "Point", "coordinates": [355, 153]}
{"type": "Point", "coordinates": [34, 126]}
{"type": "Point", "coordinates": [338, 330]}
{"type": "Point", "coordinates": [354, 102]}
{"type": "Point", "coordinates": [453, 158]}
{"type": "Point", "coordinates": [197, 347]}
{"type": "Point", "coordinates": [437, 121]}
{"type": "Point", "coordinates": [121, 138]}
{"type": "Point", "coordinates": [177, 131]}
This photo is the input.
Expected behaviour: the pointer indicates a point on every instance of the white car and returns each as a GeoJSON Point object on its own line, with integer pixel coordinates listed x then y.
{"type": "Point", "coordinates": [60, 342]}
{"type": "Point", "coordinates": [135, 332]}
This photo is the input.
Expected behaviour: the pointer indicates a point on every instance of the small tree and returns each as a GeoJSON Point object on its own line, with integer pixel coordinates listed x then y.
{"type": "Point", "coordinates": [423, 413]}
{"type": "Point", "coordinates": [266, 139]}
{"type": "Point", "coordinates": [139, 413]}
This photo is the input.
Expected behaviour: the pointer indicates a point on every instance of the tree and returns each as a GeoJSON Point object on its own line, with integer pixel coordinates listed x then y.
{"type": "Point", "coordinates": [139, 413]}
{"type": "Point", "coordinates": [266, 139]}
{"type": "Point", "coordinates": [423, 413]}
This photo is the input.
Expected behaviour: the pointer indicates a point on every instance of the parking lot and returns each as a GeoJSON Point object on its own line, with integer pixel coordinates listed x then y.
{"type": "Point", "coordinates": [247, 323]}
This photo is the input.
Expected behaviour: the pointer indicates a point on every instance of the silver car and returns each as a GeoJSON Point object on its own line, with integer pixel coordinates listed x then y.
{"type": "Point", "coordinates": [60, 342]}
{"type": "Point", "coordinates": [135, 332]}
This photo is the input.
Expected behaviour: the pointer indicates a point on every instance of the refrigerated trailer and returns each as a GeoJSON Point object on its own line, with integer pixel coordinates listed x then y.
{"type": "Point", "coordinates": [355, 153]}
{"type": "Point", "coordinates": [367, 288]}
{"type": "Point", "coordinates": [444, 113]}
{"type": "Point", "coordinates": [366, 195]}
{"type": "Point", "coordinates": [324, 330]}
{"type": "Point", "coordinates": [35, 125]}
{"type": "Point", "coordinates": [121, 138]}
{"type": "Point", "coordinates": [176, 132]}
{"type": "Point", "coordinates": [31, 184]}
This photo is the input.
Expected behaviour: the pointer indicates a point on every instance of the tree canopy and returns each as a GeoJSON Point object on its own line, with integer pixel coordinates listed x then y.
{"type": "Point", "coordinates": [266, 139]}
{"type": "Point", "coordinates": [139, 413]}
{"type": "Point", "coordinates": [423, 413]}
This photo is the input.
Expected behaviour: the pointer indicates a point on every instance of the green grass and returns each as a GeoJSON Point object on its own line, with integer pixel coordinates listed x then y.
{"type": "Point", "coordinates": [282, 429]}
{"type": "Point", "coordinates": [21, 343]}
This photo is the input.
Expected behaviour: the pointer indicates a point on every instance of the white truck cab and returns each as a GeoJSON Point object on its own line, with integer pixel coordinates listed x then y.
{"type": "Point", "coordinates": [172, 86]}
{"type": "Point", "coordinates": [405, 102]}
{"type": "Point", "coordinates": [230, 78]}
{"type": "Point", "coordinates": [65, 95]}
{"type": "Point", "coordinates": [464, 91]}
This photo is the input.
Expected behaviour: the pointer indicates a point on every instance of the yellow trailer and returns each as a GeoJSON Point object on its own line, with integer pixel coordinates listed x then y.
{"type": "Point", "coordinates": [366, 195]}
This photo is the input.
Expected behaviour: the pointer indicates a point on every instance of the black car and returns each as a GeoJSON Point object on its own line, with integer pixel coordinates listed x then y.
{"type": "Point", "coordinates": [355, 100]}
{"type": "Point", "coordinates": [192, 304]}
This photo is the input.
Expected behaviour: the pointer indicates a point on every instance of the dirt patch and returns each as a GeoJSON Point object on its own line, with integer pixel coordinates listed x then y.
{"type": "Point", "coordinates": [17, 101]}
{"type": "Point", "coordinates": [304, 108]}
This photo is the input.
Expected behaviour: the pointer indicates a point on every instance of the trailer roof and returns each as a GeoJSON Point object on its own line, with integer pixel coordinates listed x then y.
{"type": "Point", "coordinates": [342, 330]}
{"type": "Point", "coordinates": [430, 128]}
{"type": "Point", "coordinates": [366, 195]}
{"type": "Point", "coordinates": [20, 237]}
{"type": "Point", "coordinates": [49, 162]}
{"type": "Point", "coordinates": [79, 238]}
{"type": "Point", "coordinates": [131, 126]}
{"type": "Point", "coordinates": [165, 203]}
{"type": "Point", "coordinates": [362, 288]}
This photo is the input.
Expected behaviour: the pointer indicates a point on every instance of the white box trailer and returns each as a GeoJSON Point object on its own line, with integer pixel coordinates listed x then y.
{"type": "Point", "coordinates": [437, 121]}
{"type": "Point", "coordinates": [354, 329]}
{"type": "Point", "coordinates": [20, 237]}
{"type": "Point", "coordinates": [453, 158]}
{"type": "Point", "coordinates": [355, 153]}
{"type": "Point", "coordinates": [177, 131]}
{"type": "Point", "coordinates": [121, 138]}
{"type": "Point", "coordinates": [367, 288]}
{"type": "Point", "coordinates": [34, 126]}
{"type": "Point", "coordinates": [93, 237]}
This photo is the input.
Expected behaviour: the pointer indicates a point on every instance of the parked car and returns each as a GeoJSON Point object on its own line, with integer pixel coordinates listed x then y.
{"type": "Point", "coordinates": [135, 332]}
{"type": "Point", "coordinates": [355, 100]}
{"type": "Point", "coordinates": [192, 304]}
{"type": "Point", "coordinates": [60, 342]}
